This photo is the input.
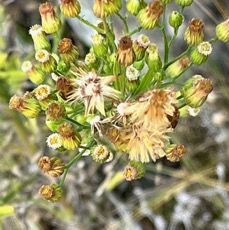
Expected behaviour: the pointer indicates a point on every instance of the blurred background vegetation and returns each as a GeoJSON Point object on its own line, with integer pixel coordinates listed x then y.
{"type": "Point", "coordinates": [191, 194]}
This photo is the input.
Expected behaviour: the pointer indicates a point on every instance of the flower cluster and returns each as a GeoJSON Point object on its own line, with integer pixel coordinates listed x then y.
{"type": "Point", "coordinates": [120, 99]}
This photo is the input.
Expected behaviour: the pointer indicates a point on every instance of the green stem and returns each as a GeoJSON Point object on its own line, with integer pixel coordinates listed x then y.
{"type": "Point", "coordinates": [77, 123]}
{"type": "Point", "coordinates": [135, 31]}
{"type": "Point", "coordinates": [213, 40]}
{"type": "Point", "coordinates": [124, 22]}
{"type": "Point", "coordinates": [109, 35]}
{"type": "Point", "coordinates": [173, 38]}
{"type": "Point", "coordinates": [166, 46]}
{"type": "Point", "coordinates": [73, 160]}
{"type": "Point", "coordinates": [89, 24]}
{"type": "Point", "coordinates": [68, 166]}
{"type": "Point", "coordinates": [177, 58]}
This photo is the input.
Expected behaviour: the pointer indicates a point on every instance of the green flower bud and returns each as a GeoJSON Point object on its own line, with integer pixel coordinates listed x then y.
{"type": "Point", "coordinates": [175, 19]}
{"type": "Point", "coordinates": [148, 17]}
{"type": "Point", "coordinates": [50, 23]}
{"type": "Point", "coordinates": [70, 8]}
{"type": "Point", "coordinates": [166, 2]}
{"type": "Point", "coordinates": [99, 46]}
{"type": "Point", "coordinates": [200, 54]}
{"type": "Point", "coordinates": [39, 38]}
{"type": "Point", "coordinates": [140, 45]}
{"type": "Point", "coordinates": [194, 33]}
{"type": "Point", "coordinates": [63, 67]}
{"type": "Point", "coordinates": [184, 3]}
{"type": "Point", "coordinates": [134, 6]}
{"type": "Point", "coordinates": [152, 58]}
{"type": "Point", "coordinates": [71, 139]}
{"type": "Point", "coordinates": [36, 75]}
{"type": "Point", "coordinates": [47, 61]}
{"type": "Point", "coordinates": [196, 90]}
{"type": "Point", "coordinates": [139, 65]}
{"type": "Point", "coordinates": [222, 31]}
{"type": "Point", "coordinates": [26, 104]}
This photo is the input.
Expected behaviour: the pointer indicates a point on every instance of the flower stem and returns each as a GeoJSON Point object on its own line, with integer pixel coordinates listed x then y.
{"type": "Point", "coordinates": [124, 22]}
{"type": "Point", "coordinates": [135, 31]}
{"type": "Point", "coordinates": [73, 160]}
{"type": "Point", "coordinates": [109, 35]}
{"type": "Point", "coordinates": [77, 123]}
{"type": "Point", "coordinates": [166, 46]}
{"type": "Point", "coordinates": [89, 24]}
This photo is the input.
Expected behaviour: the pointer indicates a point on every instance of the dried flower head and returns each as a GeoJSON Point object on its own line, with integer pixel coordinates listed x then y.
{"type": "Point", "coordinates": [177, 67]}
{"type": "Point", "coordinates": [93, 90]}
{"type": "Point", "coordinates": [53, 166]}
{"type": "Point", "coordinates": [64, 86]}
{"type": "Point", "coordinates": [68, 52]}
{"type": "Point", "coordinates": [194, 34]}
{"type": "Point", "coordinates": [125, 54]}
{"type": "Point", "coordinates": [175, 152]}
{"type": "Point", "coordinates": [51, 193]}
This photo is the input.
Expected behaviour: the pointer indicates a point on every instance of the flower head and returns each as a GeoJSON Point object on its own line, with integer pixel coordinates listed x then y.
{"type": "Point", "coordinates": [200, 54]}
{"type": "Point", "coordinates": [49, 21]}
{"type": "Point", "coordinates": [222, 31]}
{"type": "Point", "coordinates": [71, 139]}
{"type": "Point", "coordinates": [194, 33]}
{"type": "Point", "coordinates": [175, 152]}
{"type": "Point", "coordinates": [27, 105]}
{"type": "Point", "coordinates": [133, 171]}
{"type": "Point", "coordinates": [100, 153]}
{"type": "Point", "coordinates": [68, 52]}
{"type": "Point", "coordinates": [140, 45]}
{"type": "Point", "coordinates": [53, 166]}
{"type": "Point", "coordinates": [64, 86]}
{"type": "Point", "coordinates": [39, 38]}
{"type": "Point", "coordinates": [51, 193]}
{"type": "Point", "coordinates": [47, 61]}
{"type": "Point", "coordinates": [149, 16]}
{"type": "Point", "coordinates": [54, 141]}
{"type": "Point", "coordinates": [125, 55]}
{"type": "Point", "coordinates": [70, 8]}
{"type": "Point", "coordinates": [36, 75]}
{"type": "Point", "coordinates": [93, 90]}
{"type": "Point", "coordinates": [195, 90]}
{"type": "Point", "coordinates": [177, 67]}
